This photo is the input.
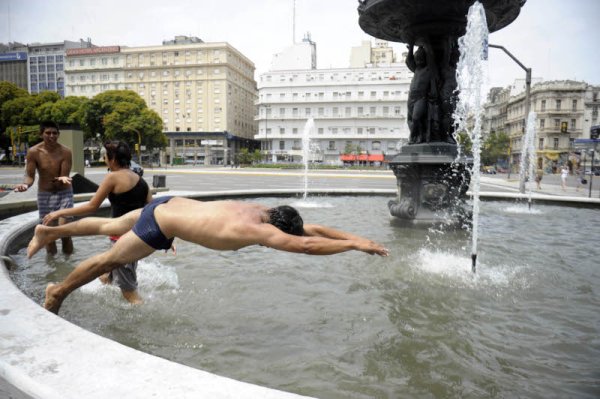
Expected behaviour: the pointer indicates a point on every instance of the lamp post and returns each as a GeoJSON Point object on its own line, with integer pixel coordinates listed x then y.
{"type": "Point", "coordinates": [527, 94]}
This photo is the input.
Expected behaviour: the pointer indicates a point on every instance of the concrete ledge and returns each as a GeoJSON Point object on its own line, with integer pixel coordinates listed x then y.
{"type": "Point", "coordinates": [26, 204]}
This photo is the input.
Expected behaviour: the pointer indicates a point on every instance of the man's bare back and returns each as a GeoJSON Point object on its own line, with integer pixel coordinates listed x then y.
{"type": "Point", "coordinates": [219, 225]}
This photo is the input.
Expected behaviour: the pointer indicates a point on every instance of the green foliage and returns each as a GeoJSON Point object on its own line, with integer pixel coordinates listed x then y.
{"type": "Point", "coordinates": [123, 115]}
{"type": "Point", "coordinates": [465, 142]}
{"type": "Point", "coordinates": [115, 114]}
{"type": "Point", "coordinates": [494, 148]}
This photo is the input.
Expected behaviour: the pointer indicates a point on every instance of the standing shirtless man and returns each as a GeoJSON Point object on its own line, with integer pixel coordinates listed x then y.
{"type": "Point", "coordinates": [52, 161]}
{"type": "Point", "coordinates": [218, 225]}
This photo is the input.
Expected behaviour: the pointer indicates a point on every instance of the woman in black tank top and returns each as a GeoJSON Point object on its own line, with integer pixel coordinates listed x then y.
{"type": "Point", "coordinates": [126, 191]}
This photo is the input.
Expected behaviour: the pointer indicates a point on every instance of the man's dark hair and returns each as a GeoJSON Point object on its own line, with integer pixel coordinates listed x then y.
{"type": "Point", "coordinates": [286, 219]}
{"type": "Point", "coordinates": [46, 124]}
{"type": "Point", "coordinates": [119, 151]}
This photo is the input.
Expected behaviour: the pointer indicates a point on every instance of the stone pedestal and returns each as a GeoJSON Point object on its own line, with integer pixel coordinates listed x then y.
{"type": "Point", "coordinates": [432, 184]}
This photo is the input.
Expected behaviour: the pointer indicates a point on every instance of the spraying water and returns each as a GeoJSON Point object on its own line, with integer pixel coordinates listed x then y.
{"type": "Point", "coordinates": [469, 76]}
{"type": "Point", "coordinates": [308, 127]}
{"type": "Point", "coordinates": [528, 155]}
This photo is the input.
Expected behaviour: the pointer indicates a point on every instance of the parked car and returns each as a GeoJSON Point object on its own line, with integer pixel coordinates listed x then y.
{"type": "Point", "coordinates": [137, 168]}
{"type": "Point", "coordinates": [490, 170]}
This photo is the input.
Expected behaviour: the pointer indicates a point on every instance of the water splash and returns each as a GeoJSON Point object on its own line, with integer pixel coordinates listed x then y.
{"type": "Point", "coordinates": [470, 77]}
{"type": "Point", "coordinates": [306, 151]}
{"type": "Point", "coordinates": [528, 156]}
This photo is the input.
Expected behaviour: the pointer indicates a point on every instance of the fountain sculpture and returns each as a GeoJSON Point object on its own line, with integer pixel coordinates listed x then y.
{"type": "Point", "coordinates": [432, 175]}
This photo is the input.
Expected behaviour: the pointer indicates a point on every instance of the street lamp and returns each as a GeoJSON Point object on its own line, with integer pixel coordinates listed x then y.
{"type": "Point", "coordinates": [527, 93]}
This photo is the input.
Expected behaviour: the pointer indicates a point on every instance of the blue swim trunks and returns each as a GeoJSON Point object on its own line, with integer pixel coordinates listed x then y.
{"type": "Point", "coordinates": [147, 229]}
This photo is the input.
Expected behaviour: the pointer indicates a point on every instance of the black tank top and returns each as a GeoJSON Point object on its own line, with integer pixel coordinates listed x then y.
{"type": "Point", "coordinates": [129, 200]}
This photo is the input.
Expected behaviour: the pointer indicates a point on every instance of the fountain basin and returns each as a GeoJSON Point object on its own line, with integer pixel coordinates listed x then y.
{"type": "Point", "coordinates": [404, 326]}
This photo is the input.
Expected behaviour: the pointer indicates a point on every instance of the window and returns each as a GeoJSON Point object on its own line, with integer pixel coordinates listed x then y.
{"type": "Point", "coordinates": [542, 123]}
{"type": "Point", "coordinates": [359, 130]}
{"type": "Point", "coordinates": [281, 131]}
{"type": "Point", "coordinates": [541, 144]}
{"type": "Point", "coordinates": [320, 130]}
{"type": "Point", "coordinates": [376, 145]}
{"type": "Point", "coordinates": [307, 111]}
{"type": "Point", "coordinates": [321, 111]}
{"type": "Point", "coordinates": [574, 105]}
{"type": "Point", "coordinates": [557, 123]}
{"type": "Point", "coordinates": [334, 130]}
{"type": "Point", "coordinates": [331, 145]}
{"type": "Point", "coordinates": [556, 143]}
{"type": "Point", "coordinates": [281, 112]}
{"type": "Point", "coordinates": [543, 105]}
{"type": "Point", "coordinates": [348, 111]}
{"type": "Point", "coordinates": [295, 130]}
{"type": "Point", "coordinates": [558, 104]}
{"type": "Point", "coordinates": [336, 111]}
{"type": "Point", "coordinates": [573, 123]}
{"type": "Point", "coordinates": [282, 145]}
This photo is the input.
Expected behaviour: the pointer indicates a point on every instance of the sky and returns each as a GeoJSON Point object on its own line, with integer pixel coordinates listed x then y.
{"type": "Point", "coordinates": [558, 39]}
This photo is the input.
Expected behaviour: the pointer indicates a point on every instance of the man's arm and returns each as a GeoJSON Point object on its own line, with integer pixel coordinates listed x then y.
{"type": "Point", "coordinates": [65, 167]}
{"type": "Point", "coordinates": [30, 168]}
{"type": "Point", "coordinates": [316, 244]}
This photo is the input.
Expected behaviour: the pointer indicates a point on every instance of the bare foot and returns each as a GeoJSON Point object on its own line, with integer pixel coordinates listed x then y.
{"type": "Point", "coordinates": [105, 278]}
{"type": "Point", "coordinates": [132, 297]}
{"type": "Point", "coordinates": [39, 240]}
{"type": "Point", "coordinates": [52, 302]}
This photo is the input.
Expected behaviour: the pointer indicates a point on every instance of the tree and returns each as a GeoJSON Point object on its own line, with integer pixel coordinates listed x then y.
{"type": "Point", "coordinates": [123, 115]}
{"type": "Point", "coordinates": [494, 148]}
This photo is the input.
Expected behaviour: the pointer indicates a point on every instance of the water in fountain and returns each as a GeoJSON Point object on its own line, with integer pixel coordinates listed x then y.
{"type": "Point", "coordinates": [469, 76]}
{"type": "Point", "coordinates": [307, 152]}
{"type": "Point", "coordinates": [528, 156]}
{"type": "Point", "coordinates": [415, 324]}
{"type": "Point", "coordinates": [308, 127]}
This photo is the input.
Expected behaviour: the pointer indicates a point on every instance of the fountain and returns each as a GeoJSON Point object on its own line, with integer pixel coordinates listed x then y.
{"type": "Point", "coordinates": [432, 175]}
{"type": "Point", "coordinates": [306, 152]}
{"type": "Point", "coordinates": [416, 324]}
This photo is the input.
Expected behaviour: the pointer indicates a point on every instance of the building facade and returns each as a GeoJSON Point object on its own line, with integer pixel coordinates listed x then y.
{"type": "Point", "coordinates": [565, 111]}
{"type": "Point", "coordinates": [198, 89]}
{"type": "Point", "coordinates": [365, 54]}
{"type": "Point", "coordinates": [13, 64]}
{"type": "Point", "coordinates": [90, 71]}
{"type": "Point", "coordinates": [46, 65]}
{"type": "Point", "coordinates": [359, 114]}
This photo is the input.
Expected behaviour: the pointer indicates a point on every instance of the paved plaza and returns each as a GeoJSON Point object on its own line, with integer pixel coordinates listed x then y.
{"type": "Point", "coordinates": [224, 179]}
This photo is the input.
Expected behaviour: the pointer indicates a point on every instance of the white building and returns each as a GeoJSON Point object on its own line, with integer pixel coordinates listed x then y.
{"type": "Point", "coordinates": [45, 65]}
{"type": "Point", "coordinates": [301, 55]}
{"type": "Point", "coordinates": [91, 71]}
{"type": "Point", "coordinates": [359, 113]}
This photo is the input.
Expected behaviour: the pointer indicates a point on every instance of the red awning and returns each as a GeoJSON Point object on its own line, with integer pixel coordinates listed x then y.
{"type": "Point", "coordinates": [361, 157]}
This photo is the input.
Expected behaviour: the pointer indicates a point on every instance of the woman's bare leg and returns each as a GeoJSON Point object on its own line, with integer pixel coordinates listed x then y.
{"type": "Point", "coordinates": [84, 227]}
{"type": "Point", "coordinates": [129, 248]}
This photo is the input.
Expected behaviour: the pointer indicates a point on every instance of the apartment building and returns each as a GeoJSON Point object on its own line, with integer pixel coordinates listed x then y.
{"type": "Point", "coordinates": [204, 92]}
{"type": "Point", "coordinates": [565, 111]}
{"type": "Point", "coordinates": [359, 114]}
{"type": "Point", "coordinates": [380, 54]}
{"type": "Point", "coordinates": [46, 65]}
{"type": "Point", "coordinates": [13, 64]}
{"type": "Point", "coordinates": [90, 71]}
